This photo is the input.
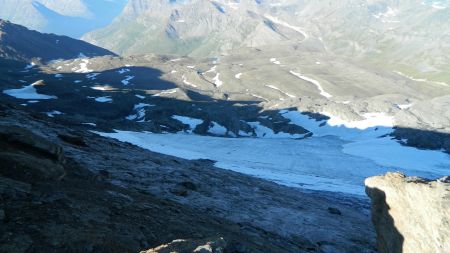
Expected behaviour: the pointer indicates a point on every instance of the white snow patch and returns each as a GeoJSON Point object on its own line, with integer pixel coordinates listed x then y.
{"type": "Point", "coordinates": [92, 76]}
{"type": "Point", "coordinates": [30, 66]}
{"type": "Point", "coordinates": [217, 81]}
{"type": "Point", "coordinates": [105, 99]}
{"type": "Point", "coordinates": [371, 120]}
{"type": "Point", "coordinates": [238, 76]}
{"type": "Point", "coordinates": [89, 124]}
{"type": "Point", "coordinates": [127, 80]}
{"type": "Point", "coordinates": [166, 92]}
{"type": "Point", "coordinates": [192, 122]}
{"type": "Point", "coordinates": [404, 106]}
{"type": "Point", "coordinates": [139, 96]}
{"type": "Point", "coordinates": [58, 76]}
{"type": "Point", "coordinates": [123, 71]}
{"type": "Point", "coordinates": [102, 87]}
{"type": "Point", "coordinates": [275, 61]}
{"type": "Point", "coordinates": [28, 92]}
{"type": "Point", "coordinates": [140, 112]}
{"type": "Point", "coordinates": [265, 132]}
{"type": "Point", "coordinates": [84, 67]}
{"type": "Point", "coordinates": [53, 113]}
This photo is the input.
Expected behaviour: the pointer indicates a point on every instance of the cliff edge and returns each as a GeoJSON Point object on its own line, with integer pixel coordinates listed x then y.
{"type": "Point", "coordinates": [410, 214]}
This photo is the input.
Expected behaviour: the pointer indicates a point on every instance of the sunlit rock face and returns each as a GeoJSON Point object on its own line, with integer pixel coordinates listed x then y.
{"type": "Point", "coordinates": [410, 214]}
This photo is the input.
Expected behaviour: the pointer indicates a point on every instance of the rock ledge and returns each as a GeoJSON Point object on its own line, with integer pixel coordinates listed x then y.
{"type": "Point", "coordinates": [410, 214]}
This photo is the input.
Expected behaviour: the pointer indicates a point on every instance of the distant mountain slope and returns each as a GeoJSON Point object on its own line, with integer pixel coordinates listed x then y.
{"type": "Point", "coordinates": [19, 43]}
{"type": "Point", "coordinates": [411, 37]}
{"type": "Point", "coordinates": [197, 28]}
{"type": "Point", "coordinates": [65, 17]}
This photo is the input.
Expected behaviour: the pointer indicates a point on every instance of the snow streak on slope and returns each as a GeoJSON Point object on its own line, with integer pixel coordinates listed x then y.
{"type": "Point", "coordinates": [315, 82]}
{"type": "Point", "coordinates": [276, 20]}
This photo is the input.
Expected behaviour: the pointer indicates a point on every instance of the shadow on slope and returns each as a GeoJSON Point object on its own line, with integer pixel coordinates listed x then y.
{"type": "Point", "coordinates": [21, 44]}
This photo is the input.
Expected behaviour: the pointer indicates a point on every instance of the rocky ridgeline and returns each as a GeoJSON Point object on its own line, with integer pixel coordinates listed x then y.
{"type": "Point", "coordinates": [410, 214]}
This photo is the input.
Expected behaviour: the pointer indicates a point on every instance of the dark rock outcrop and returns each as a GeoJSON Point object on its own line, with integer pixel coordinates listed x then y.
{"type": "Point", "coordinates": [28, 157]}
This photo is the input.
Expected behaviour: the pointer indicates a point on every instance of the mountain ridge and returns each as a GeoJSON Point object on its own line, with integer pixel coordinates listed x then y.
{"type": "Point", "coordinates": [21, 44]}
{"type": "Point", "coordinates": [64, 17]}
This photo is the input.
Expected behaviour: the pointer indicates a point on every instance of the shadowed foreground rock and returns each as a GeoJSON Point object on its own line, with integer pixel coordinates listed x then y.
{"type": "Point", "coordinates": [410, 214]}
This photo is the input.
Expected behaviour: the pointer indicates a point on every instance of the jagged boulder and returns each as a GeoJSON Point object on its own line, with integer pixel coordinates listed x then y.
{"type": "Point", "coordinates": [211, 245]}
{"type": "Point", "coordinates": [410, 214]}
{"type": "Point", "coordinates": [27, 157]}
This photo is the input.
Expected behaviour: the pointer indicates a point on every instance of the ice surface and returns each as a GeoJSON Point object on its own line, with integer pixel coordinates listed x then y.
{"type": "Point", "coordinates": [339, 156]}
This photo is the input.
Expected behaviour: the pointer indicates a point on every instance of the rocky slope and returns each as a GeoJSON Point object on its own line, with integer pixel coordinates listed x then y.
{"type": "Point", "coordinates": [20, 44]}
{"type": "Point", "coordinates": [410, 214]}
